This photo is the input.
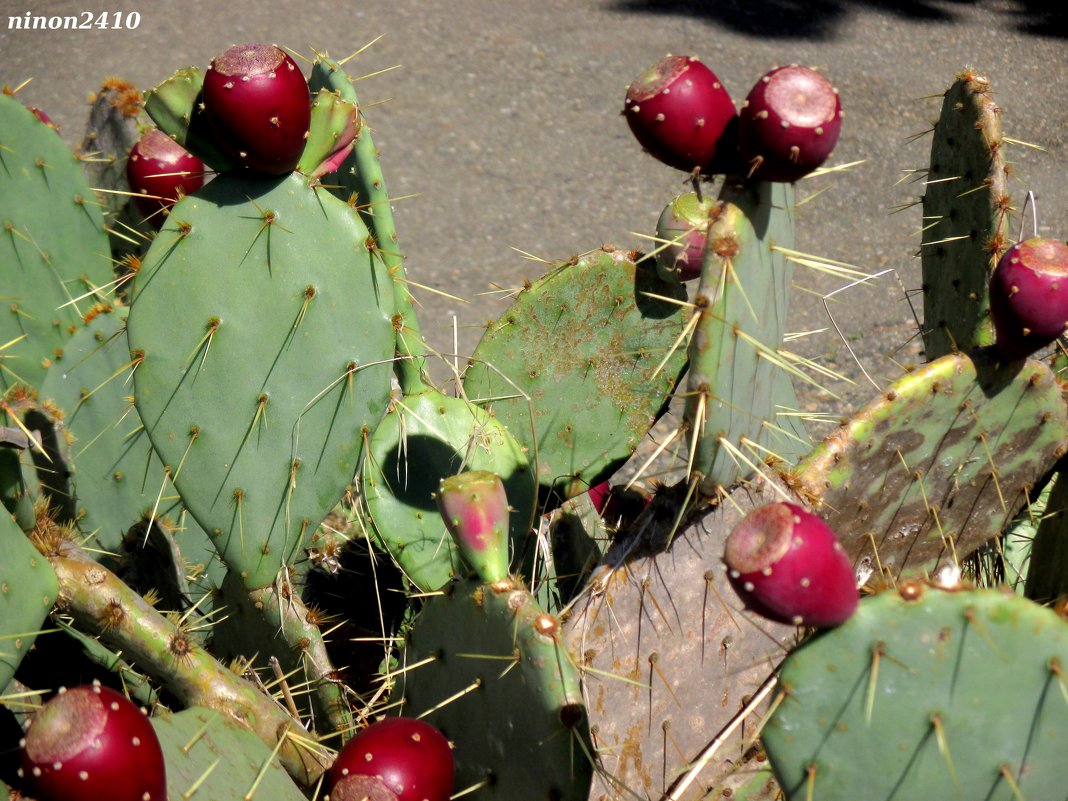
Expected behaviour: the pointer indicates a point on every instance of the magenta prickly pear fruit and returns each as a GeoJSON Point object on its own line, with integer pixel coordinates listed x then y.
{"type": "Point", "coordinates": [395, 759]}
{"type": "Point", "coordinates": [1029, 296]}
{"type": "Point", "coordinates": [679, 111]}
{"type": "Point", "coordinates": [787, 565]}
{"type": "Point", "coordinates": [789, 124]}
{"type": "Point", "coordinates": [91, 743]}
{"type": "Point", "coordinates": [684, 223]}
{"type": "Point", "coordinates": [475, 510]}
{"type": "Point", "coordinates": [257, 104]}
{"type": "Point", "coordinates": [159, 172]}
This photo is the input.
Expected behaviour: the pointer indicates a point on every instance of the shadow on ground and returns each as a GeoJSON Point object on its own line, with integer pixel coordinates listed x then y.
{"type": "Point", "coordinates": [820, 19]}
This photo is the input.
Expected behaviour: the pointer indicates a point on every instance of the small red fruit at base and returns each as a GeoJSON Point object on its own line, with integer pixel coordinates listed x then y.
{"type": "Point", "coordinates": [395, 759]}
{"type": "Point", "coordinates": [160, 172]}
{"type": "Point", "coordinates": [1029, 296]}
{"type": "Point", "coordinates": [91, 743]}
{"type": "Point", "coordinates": [679, 111]}
{"type": "Point", "coordinates": [789, 124]}
{"type": "Point", "coordinates": [786, 564]}
{"type": "Point", "coordinates": [258, 107]}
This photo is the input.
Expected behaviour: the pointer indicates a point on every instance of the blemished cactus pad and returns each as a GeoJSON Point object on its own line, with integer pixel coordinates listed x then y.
{"type": "Point", "coordinates": [926, 694]}
{"type": "Point", "coordinates": [583, 344]}
{"type": "Point", "coordinates": [670, 653]}
{"type": "Point", "coordinates": [939, 463]}
{"type": "Point", "coordinates": [965, 216]}
{"type": "Point", "coordinates": [264, 330]}
{"type": "Point", "coordinates": [53, 248]}
{"type": "Point", "coordinates": [490, 669]}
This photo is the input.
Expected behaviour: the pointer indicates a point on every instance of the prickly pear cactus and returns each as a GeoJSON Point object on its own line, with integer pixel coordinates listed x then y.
{"type": "Point", "coordinates": [739, 394]}
{"type": "Point", "coordinates": [258, 374]}
{"type": "Point", "coordinates": [966, 215]}
{"type": "Point", "coordinates": [670, 654]}
{"type": "Point", "coordinates": [897, 702]}
{"type": "Point", "coordinates": [581, 365]}
{"type": "Point", "coordinates": [487, 666]}
{"type": "Point", "coordinates": [939, 464]}
{"type": "Point", "coordinates": [53, 248]}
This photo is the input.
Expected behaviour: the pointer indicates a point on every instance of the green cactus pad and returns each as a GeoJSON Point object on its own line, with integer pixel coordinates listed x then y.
{"type": "Point", "coordinates": [939, 464]}
{"type": "Point", "coordinates": [265, 333]}
{"type": "Point", "coordinates": [494, 675]}
{"type": "Point", "coordinates": [14, 494]}
{"type": "Point", "coordinates": [423, 439]}
{"type": "Point", "coordinates": [53, 248]}
{"type": "Point", "coordinates": [965, 214]}
{"type": "Point", "coordinates": [737, 386]}
{"type": "Point", "coordinates": [28, 588]}
{"type": "Point", "coordinates": [583, 343]}
{"type": "Point", "coordinates": [671, 654]}
{"type": "Point", "coordinates": [211, 757]}
{"type": "Point", "coordinates": [946, 695]}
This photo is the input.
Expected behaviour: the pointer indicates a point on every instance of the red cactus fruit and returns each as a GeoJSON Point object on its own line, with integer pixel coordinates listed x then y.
{"type": "Point", "coordinates": [1029, 296]}
{"type": "Point", "coordinates": [789, 124]}
{"type": "Point", "coordinates": [395, 759]}
{"type": "Point", "coordinates": [160, 171]}
{"type": "Point", "coordinates": [474, 507]}
{"type": "Point", "coordinates": [684, 223]}
{"type": "Point", "coordinates": [787, 565]}
{"type": "Point", "coordinates": [679, 111]}
{"type": "Point", "coordinates": [91, 743]}
{"type": "Point", "coordinates": [257, 104]}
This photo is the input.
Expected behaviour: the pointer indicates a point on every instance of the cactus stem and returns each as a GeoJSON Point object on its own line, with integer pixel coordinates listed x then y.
{"type": "Point", "coordinates": [197, 679]}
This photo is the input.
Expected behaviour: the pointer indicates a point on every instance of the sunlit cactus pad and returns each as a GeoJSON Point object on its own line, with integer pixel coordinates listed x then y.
{"type": "Point", "coordinates": [939, 463]}
{"type": "Point", "coordinates": [927, 694]}
{"type": "Point", "coordinates": [966, 214]}
{"type": "Point", "coordinates": [491, 669]}
{"type": "Point", "coordinates": [53, 248]}
{"type": "Point", "coordinates": [583, 343]}
{"type": "Point", "coordinates": [265, 334]}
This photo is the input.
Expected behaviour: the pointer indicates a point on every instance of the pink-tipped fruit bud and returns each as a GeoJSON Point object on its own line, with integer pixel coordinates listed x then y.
{"type": "Point", "coordinates": [474, 507]}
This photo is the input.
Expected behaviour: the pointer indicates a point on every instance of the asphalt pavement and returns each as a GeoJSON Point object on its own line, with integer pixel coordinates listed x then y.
{"type": "Point", "coordinates": [502, 119]}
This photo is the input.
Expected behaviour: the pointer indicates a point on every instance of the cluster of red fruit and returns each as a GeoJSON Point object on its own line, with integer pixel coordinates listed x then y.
{"type": "Point", "coordinates": [255, 108]}
{"type": "Point", "coordinates": [787, 127]}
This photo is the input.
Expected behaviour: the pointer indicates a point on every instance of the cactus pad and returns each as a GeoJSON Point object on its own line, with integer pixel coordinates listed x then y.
{"type": "Point", "coordinates": [965, 213]}
{"type": "Point", "coordinates": [423, 439]}
{"type": "Point", "coordinates": [583, 343]}
{"type": "Point", "coordinates": [938, 464]}
{"type": "Point", "coordinates": [264, 333]}
{"type": "Point", "coordinates": [670, 652]}
{"type": "Point", "coordinates": [53, 248]}
{"type": "Point", "coordinates": [210, 756]}
{"type": "Point", "coordinates": [494, 675]}
{"type": "Point", "coordinates": [906, 700]}
{"type": "Point", "coordinates": [737, 385]}
{"type": "Point", "coordinates": [28, 588]}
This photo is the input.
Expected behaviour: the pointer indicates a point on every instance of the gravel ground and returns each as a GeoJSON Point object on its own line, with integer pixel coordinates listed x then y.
{"type": "Point", "coordinates": [503, 120]}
